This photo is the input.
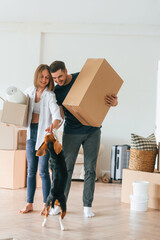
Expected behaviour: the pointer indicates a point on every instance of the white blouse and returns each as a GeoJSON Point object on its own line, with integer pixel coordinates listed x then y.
{"type": "Point", "coordinates": [49, 111]}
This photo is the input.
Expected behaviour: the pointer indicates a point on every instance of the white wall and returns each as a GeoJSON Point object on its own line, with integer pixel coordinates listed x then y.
{"type": "Point", "coordinates": [84, 11]}
{"type": "Point", "coordinates": [132, 50]}
{"type": "Point", "coordinates": [19, 56]}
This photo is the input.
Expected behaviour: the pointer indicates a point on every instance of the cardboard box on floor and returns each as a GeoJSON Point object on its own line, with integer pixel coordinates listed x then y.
{"type": "Point", "coordinates": [15, 113]}
{"type": "Point", "coordinates": [130, 176]}
{"type": "Point", "coordinates": [11, 137]}
{"type": "Point", "coordinates": [13, 169]}
{"type": "Point", "coordinates": [85, 99]}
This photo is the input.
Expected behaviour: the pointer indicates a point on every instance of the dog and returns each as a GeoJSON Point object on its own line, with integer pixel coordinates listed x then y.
{"type": "Point", "coordinates": [59, 176]}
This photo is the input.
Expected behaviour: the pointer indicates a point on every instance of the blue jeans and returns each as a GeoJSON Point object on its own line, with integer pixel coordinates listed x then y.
{"type": "Point", "coordinates": [32, 164]}
{"type": "Point", "coordinates": [71, 146]}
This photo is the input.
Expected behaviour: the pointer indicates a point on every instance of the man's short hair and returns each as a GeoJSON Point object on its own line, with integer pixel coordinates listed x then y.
{"type": "Point", "coordinates": [57, 65]}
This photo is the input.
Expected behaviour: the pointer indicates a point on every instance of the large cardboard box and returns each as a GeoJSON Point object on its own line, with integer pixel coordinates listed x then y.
{"type": "Point", "coordinates": [85, 99]}
{"type": "Point", "coordinates": [13, 169]}
{"type": "Point", "coordinates": [8, 137]}
{"type": "Point", "coordinates": [130, 176]}
{"type": "Point", "coordinates": [12, 137]}
{"type": "Point", "coordinates": [15, 113]}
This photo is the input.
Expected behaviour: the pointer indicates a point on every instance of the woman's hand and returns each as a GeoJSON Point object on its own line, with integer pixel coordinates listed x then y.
{"type": "Point", "coordinates": [111, 100]}
{"type": "Point", "coordinates": [54, 125]}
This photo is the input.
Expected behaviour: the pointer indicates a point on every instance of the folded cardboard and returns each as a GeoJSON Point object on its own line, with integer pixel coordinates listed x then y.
{"type": "Point", "coordinates": [85, 99]}
{"type": "Point", "coordinates": [13, 169]}
{"type": "Point", "coordinates": [15, 113]}
{"type": "Point", "coordinates": [129, 176]}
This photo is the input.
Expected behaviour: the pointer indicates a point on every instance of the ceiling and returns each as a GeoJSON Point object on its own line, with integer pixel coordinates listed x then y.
{"type": "Point", "coordinates": [83, 11]}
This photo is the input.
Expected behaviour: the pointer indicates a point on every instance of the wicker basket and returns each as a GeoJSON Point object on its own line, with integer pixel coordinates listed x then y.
{"type": "Point", "coordinates": [142, 160]}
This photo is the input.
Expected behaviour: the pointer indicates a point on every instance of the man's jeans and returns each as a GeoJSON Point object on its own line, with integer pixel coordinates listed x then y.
{"type": "Point", "coordinates": [71, 145]}
{"type": "Point", "coordinates": [32, 164]}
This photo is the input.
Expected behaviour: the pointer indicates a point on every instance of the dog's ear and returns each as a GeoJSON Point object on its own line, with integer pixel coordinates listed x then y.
{"type": "Point", "coordinates": [42, 150]}
{"type": "Point", "coordinates": [57, 147]}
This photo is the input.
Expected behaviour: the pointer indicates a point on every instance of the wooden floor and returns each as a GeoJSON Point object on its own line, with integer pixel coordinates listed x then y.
{"type": "Point", "coordinates": [113, 219]}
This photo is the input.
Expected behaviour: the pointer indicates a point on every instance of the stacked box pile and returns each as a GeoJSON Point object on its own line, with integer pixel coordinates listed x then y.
{"type": "Point", "coordinates": [12, 156]}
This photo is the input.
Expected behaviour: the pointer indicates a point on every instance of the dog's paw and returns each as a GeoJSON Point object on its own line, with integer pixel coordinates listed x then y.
{"type": "Point", "coordinates": [63, 228]}
{"type": "Point", "coordinates": [44, 223]}
{"type": "Point", "coordinates": [61, 224]}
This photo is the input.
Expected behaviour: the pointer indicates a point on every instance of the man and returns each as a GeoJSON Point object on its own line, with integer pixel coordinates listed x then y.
{"type": "Point", "coordinates": [76, 134]}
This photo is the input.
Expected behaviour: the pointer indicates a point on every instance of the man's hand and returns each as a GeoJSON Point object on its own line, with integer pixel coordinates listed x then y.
{"type": "Point", "coordinates": [111, 100]}
{"type": "Point", "coordinates": [54, 125]}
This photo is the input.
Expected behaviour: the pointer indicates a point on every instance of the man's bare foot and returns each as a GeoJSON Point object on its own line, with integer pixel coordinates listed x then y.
{"type": "Point", "coordinates": [43, 210]}
{"type": "Point", "coordinates": [28, 208]}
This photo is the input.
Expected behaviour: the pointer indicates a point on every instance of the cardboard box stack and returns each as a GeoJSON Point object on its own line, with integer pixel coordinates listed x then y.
{"type": "Point", "coordinates": [12, 157]}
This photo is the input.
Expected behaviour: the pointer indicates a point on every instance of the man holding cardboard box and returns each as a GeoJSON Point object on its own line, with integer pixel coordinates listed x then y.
{"type": "Point", "coordinates": [75, 134]}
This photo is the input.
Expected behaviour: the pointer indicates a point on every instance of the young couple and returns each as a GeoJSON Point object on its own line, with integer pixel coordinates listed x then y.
{"type": "Point", "coordinates": [47, 113]}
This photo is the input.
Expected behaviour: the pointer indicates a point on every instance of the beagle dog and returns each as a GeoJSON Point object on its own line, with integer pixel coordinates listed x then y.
{"type": "Point", "coordinates": [59, 176]}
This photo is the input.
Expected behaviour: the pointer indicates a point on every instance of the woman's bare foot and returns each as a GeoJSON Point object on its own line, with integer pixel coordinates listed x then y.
{"type": "Point", "coordinates": [28, 208]}
{"type": "Point", "coordinates": [43, 210]}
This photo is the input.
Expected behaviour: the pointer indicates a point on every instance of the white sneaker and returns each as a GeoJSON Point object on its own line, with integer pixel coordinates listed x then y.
{"type": "Point", "coordinates": [54, 211]}
{"type": "Point", "coordinates": [88, 212]}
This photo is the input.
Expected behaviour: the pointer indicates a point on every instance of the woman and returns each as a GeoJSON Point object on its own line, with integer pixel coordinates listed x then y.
{"type": "Point", "coordinates": [44, 115]}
